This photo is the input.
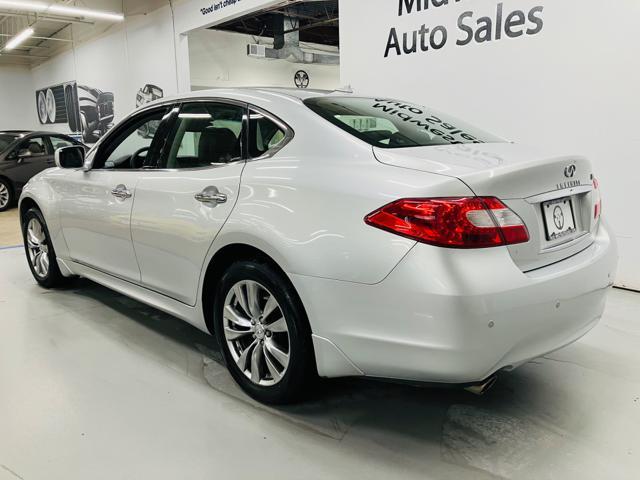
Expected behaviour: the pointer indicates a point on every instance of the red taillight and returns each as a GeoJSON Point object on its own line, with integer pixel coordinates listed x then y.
{"type": "Point", "coordinates": [464, 222]}
{"type": "Point", "coordinates": [597, 209]}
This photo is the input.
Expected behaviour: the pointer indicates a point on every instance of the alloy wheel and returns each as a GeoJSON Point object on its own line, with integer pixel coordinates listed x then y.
{"type": "Point", "coordinates": [38, 248]}
{"type": "Point", "coordinates": [256, 333]}
{"type": "Point", "coordinates": [4, 195]}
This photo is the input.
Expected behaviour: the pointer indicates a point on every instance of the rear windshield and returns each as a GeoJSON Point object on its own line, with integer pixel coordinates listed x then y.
{"type": "Point", "coordinates": [393, 124]}
{"type": "Point", "coordinates": [6, 140]}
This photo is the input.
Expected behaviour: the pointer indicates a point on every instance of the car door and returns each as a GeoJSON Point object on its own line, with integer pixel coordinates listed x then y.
{"type": "Point", "coordinates": [181, 206]}
{"type": "Point", "coordinates": [30, 157]}
{"type": "Point", "coordinates": [95, 205]}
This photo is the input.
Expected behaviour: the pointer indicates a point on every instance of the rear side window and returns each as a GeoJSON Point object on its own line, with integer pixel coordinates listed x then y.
{"type": "Point", "coordinates": [265, 136]}
{"type": "Point", "coordinates": [59, 142]}
{"type": "Point", "coordinates": [393, 124]}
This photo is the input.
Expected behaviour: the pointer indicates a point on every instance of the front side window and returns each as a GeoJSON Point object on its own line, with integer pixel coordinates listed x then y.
{"type": "Point", "coordinates": [207, 134]}
{"type": "Point", "coordinates": [393, 124]}
{"type": "Point", "coordinates": [34, 147]}
{"type": "Point", "coordinates": [264, 135]}
{"type": "Point", "coordinates": [130, 147]}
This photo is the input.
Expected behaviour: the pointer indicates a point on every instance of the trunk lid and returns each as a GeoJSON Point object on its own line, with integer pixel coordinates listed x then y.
{"type": "Point", "coordinates": [527, 181]}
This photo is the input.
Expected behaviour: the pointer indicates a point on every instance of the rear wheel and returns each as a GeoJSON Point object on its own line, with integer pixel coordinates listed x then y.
{"type": "Point", "coordinates": [40, 253]}
{"type": "Point", "coordinates": [263, 332]}
{"type": "Point", "coordinates": [6, 195]}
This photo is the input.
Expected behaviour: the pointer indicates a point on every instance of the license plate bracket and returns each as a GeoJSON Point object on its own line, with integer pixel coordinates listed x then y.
{"type": "Point", "coordinates": [559, 218]}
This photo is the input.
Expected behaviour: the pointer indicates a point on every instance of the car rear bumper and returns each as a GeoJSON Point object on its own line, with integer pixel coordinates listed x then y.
{"type": "Point", "coordinates": [456, 316]}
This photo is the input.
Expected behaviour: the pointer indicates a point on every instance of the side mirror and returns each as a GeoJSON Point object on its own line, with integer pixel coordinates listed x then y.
{"type": "Point", "coordinates": [70, 157]}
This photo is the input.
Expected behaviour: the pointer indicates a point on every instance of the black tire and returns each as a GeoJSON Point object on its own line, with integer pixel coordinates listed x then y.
{"type": "Point", "coordinates": [5, 186]}
{"type": "Point", "coordinates": [53, 277]}
{"type": "Point", "coordinates": [301, 373]}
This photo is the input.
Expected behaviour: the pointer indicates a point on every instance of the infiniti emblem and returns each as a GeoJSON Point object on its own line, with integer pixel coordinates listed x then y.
{"type": "Point", "coordinates": [301, 79]}
{"type": "Point", "coordinates": [569, 171]}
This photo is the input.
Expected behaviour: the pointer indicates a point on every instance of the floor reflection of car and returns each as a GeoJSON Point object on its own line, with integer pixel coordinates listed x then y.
{"type": "Point", "coordinates": [148, 93]}
{"type": "Point", "coordinates": [24, 154]}
{"type": "Point", "coordinates": [96, 112]}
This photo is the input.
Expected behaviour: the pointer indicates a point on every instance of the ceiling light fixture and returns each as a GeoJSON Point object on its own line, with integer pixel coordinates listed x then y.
{"type": "Point", "coordinates": [85, 12]}
{"type": "Point", "coordinates": [64, 10]}
{"type": "Point", "coordinates": [19, 38]}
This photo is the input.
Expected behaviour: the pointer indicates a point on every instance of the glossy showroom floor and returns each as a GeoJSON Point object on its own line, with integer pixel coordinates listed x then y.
{"type": "Point", "coordinates": [96, 386]}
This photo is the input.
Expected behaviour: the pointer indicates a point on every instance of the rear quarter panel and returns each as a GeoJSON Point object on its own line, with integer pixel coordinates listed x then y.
{"type": "Point", "coordinates": [305, 206]}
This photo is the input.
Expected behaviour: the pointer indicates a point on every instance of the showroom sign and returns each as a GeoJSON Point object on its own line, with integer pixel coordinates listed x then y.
{"type": "Point", "coordinates": [472, 27]}
{"type": "Point", "coordinates": [194, 14]}
{"type": "Point", "coordinates": [214, 7]}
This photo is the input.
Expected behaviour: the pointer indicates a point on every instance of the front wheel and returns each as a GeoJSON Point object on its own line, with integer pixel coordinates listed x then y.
{"type": "Point", "coordinates": [40, 253]}
{"type": "Point", "coordinates": [6, 195]}
{"type": "Point", "coordinates": [264, 333]}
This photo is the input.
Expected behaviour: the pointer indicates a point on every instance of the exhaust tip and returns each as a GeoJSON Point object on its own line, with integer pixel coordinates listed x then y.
{"type": "Point", "coordinates": [482, 388]}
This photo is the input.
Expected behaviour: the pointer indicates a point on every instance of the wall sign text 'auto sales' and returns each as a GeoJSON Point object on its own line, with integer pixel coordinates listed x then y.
{"type": "Point", "coordinates": [471, 27]}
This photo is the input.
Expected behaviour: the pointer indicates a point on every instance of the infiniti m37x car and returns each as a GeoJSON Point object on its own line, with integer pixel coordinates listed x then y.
{"type": "Point", "coordinates": [323, 233]}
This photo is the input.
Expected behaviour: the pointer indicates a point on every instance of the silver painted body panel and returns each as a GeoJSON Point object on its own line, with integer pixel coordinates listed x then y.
{"type": "Point", "coordinates": [379, 304]}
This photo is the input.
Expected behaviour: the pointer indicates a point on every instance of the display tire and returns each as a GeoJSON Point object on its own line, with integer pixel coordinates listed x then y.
{"type": "Point", "coordinates": [84, 127]}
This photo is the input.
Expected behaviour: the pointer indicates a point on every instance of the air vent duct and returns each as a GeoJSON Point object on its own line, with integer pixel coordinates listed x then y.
{"type": "Point", "coordinates": [288, 39]}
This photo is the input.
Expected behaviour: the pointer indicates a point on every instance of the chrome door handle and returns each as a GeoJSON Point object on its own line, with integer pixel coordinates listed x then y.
{"type": "Point", "coordinates": [121, 192]}
{"type": "Point", "coordinates": [211, 195]}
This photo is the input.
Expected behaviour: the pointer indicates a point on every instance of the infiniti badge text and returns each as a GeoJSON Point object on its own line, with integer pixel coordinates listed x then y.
{"type": "Point", "coordinates": [569, 184]}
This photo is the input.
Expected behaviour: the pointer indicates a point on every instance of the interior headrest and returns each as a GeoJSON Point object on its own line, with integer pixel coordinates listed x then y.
{"type": "Point", "coordinates": [217, 145]}
{"type": "Point", "coordinates": [34, 147]}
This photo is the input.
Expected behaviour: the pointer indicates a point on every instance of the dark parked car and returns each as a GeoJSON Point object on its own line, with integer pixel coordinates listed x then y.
{"type": "Point", "coordinates": [23, 154]}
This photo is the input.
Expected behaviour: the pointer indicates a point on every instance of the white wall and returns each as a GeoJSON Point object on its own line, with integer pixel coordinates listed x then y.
{"type": "Point", "coordinates": [149, 48]}
{"type": "Point", "coordinates": [573, 86]}
{"type": "Point", "coordinates": [17, 99]}
{"type": "Point", "coordinates": [219, 59]}
{"type": "Point", "coordinates": [122, 60]}
{"type": "Point", "coordinates": [190, 15]}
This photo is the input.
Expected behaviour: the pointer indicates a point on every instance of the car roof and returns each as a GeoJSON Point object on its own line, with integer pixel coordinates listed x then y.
{"type": "Point", "coordinates": [252, 94]}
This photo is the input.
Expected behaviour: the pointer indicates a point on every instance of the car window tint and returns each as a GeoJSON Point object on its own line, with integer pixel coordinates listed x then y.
{"type": "Point", "coordinates": [36, 146]}
{"type": "Point", "coordinates": [58, 142]}
{"type": "Point", "coordinates": [390, 123]}
{"type": "Point", "coordinates": [265, 135]}
{"type": "Point", "coordinates": [206, 134]}
{"type": "Point", "coordinates": [136, 136]}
